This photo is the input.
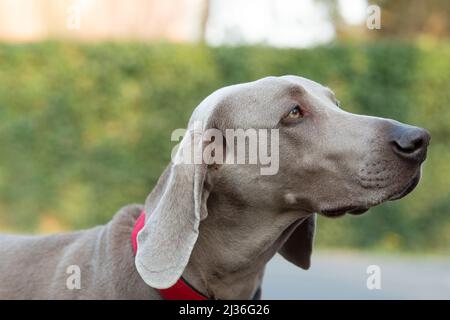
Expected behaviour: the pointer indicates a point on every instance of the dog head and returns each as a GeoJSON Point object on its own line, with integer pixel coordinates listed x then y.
{"type": "Point", "coordinates": [322, 159]}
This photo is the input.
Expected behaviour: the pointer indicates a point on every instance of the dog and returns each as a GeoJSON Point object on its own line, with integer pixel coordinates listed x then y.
{"type": "Point", "coordinates": [212, 227]}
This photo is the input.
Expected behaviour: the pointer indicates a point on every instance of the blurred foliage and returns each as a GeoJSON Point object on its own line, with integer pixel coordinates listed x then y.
{"type": "Point", "coordinates": [408, 19]}
{"type": "Point", "coordinates": [85, 129]}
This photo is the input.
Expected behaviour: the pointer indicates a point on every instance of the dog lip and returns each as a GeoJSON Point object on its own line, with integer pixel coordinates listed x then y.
{"type": "Point", "coordinates": [409, 187]}
{"type": "Point", "coordinates": [358, 211]}
{"type": "Point", "coordinates": [337, 212]}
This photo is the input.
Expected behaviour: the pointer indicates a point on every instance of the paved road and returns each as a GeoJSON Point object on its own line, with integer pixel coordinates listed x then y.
{"type": "Point", "coordinates": [337, 275]}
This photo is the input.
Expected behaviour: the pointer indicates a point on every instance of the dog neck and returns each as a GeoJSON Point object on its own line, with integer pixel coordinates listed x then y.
{"type": "Point", "coordinates": [233, 248]}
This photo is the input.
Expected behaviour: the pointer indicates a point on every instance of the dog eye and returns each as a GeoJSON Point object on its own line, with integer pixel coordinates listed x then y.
{"type": "Point", "coordinates": [295, 113]}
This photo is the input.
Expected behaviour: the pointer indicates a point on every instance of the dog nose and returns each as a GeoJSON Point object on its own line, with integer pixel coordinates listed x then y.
{"type": "Point", "coordinates": [410, 142]}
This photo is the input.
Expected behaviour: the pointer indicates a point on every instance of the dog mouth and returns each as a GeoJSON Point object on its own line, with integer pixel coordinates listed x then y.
{"type": "Point", "coordinates": [338, 212]}
{"type": "Point", "coordinates": [358, 210]}
{"type": "Point", "coordinates": [412, 184]}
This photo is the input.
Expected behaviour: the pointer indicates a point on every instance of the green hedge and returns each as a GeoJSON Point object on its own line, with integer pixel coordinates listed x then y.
{"type": "Point", "coordinates": [84, 129]}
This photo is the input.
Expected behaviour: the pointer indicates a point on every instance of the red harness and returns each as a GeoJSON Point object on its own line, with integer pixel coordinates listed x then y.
{"type": "Point", "coordinates": [180, 290]}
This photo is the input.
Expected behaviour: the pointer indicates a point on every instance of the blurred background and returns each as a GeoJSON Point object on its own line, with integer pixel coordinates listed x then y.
{"type": "Point", "coordinates": [90, 91]}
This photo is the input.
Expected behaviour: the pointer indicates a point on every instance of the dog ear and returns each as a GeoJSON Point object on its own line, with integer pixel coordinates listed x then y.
{"type": "Point", "coordinates": [298, 247]}
{"type": "Point", "coordinates": [173, 213]}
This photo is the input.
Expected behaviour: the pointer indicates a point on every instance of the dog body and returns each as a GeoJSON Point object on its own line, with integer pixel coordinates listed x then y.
{"type": "Point", "coordinates": [42, 267]}
{"type": "Point", "coordinates": [218, 224]}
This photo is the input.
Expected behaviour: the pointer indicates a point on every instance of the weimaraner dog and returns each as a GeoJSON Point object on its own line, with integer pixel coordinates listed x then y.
{"type": "Point", "coordinates": [217, 225]}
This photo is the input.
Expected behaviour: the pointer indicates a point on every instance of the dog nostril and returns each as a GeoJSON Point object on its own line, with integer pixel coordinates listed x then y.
{"type": "Point", "coordinates": [411, 147]}
{"type": "Point", "coordinates": [417, 144]}
{"type": "Point", "coordinates": [410, 143]}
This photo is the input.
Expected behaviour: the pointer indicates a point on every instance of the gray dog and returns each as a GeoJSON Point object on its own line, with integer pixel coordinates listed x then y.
{"type": "Point", "coordinates": [217, 226]}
